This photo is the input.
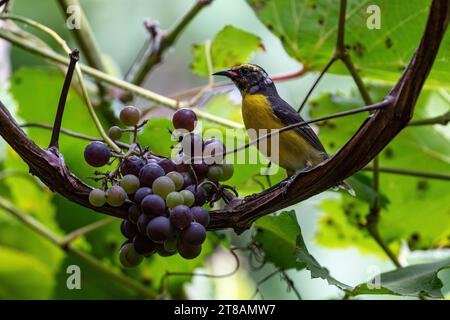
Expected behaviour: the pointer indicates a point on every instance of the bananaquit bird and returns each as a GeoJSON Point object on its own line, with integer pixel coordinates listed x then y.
{"type": "Point", "coordinates": [263, 108]}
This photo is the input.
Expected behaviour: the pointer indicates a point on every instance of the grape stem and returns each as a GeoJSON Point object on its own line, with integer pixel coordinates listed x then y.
{"type": "Point", "coordinates": [161, 41]}
{"type": "Point", "coordinates": [54, 141]}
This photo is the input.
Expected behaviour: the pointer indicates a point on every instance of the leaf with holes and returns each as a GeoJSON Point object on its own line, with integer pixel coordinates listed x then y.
{"type": "Point", "coordinates": [308, 30]}
{"type": "Point", "coordinates": [277, 236]}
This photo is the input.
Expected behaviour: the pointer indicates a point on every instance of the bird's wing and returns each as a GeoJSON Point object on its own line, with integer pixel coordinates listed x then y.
{"type": "Point", "coordinates": [289, 116]}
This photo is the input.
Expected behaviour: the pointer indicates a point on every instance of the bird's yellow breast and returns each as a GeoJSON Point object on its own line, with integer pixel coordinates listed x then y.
{"type": "Point", "coordinates": [294, 151]}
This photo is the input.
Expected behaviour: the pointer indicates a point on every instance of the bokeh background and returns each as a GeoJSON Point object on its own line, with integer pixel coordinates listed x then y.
{"type": "Point", "coordinates": [118, 26]}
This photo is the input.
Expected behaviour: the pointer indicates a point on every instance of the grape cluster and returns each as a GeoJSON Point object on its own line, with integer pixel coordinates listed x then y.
{"type": "Point", "coordinates": [165, 197]}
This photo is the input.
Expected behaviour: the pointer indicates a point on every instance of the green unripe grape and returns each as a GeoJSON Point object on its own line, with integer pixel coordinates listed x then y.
{"type": "Point", "coordinates": [177, 178]}
{"type": "Point", "coordinates": [130, 116]}
{"type": "Point", "coordinates": [116, 196]}
{"type": "Point", "coordinates": [228, 171]}
{"type": "Point", "coordinates": [215, 173]}
{"type": "Point", "coordinates": [128, 256]}
{"type": "Point", "coordinates": [162, 186]}
{"type": "Point", "coordinates": [188, 196]}
{"type": "Point", "coordinates": [97, 197]}
{"type": "Point", "coordinates": [174, 199]}
{"type": "Point", "coordinates": [170, 245]}
{"type": "Point", "coordinates": [115, 133]}
{"type": "Point", "coordinates": [130, 183]}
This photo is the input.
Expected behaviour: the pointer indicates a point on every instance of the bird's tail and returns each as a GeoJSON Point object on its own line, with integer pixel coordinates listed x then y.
{"type": "Point", "coordinates": [345, 186]}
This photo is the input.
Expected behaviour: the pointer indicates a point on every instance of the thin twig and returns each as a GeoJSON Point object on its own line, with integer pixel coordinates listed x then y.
{"type": "Point", "coordinates": [70, 237]}
{"type": "Point", "coordinates": [442, 120]}
{"type": "Point", "coordinates": [316, 82]}
{"type": "Point", "coordinates": [260, 282]}
{"type": "Point", "coordinates": [54, 141]}
{"type": "Point", "coordinates": [2, 2]}
{"type": "Point", "coordinates": [154, 54]}
{"type": "Point", "coordinates": [116, 82]}
{"type": "Point", "coordinates": [46, 233]}
{"type": "Point", "coordinates": [291, 284]}
{"type": "Point", "coordinates": [84, 35]}
{"type": "Point", "coordinates": [168, 274]}
{"type": "Point", "coordinates": [70, 133]}
{"type": "Point", "coordinates": [60, 41]}
{"type": "Point", "coordinates": [413, 173]}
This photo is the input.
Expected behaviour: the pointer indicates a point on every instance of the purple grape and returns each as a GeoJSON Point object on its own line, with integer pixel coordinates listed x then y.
{"type": "Point", "coordinates": [143, 245]}
{"type": "Point", "coordinates": [130, 116]}
{"type": "Point", "coordinates": [153, 205]}
{"type": "Point", "coordinates": [167, 165]}
{"type": "Point", "coordinates": [200, 215]}
{"type": "Point", "coordinates": [142, 223]}
{"type": "Point", "coordinates": [163, 252]}
{"type": "Point", "coordinates": [181, 217]}
{"type": "Point", "coordinates": [201, 170]}
{"type": "Point", "coordinates": [192, 146]}
{"type": "Point", "coordinates": [140, 194]}
{"type": "Point", "coordinates": [199, 193]}
{"type": "Point", "coordinates": [180, 165]}
{"type": "Point", "coordinates": [160, 229]}
{"type": "Point", "coordinates": [97, 154]}
{"type": "Point", "coordinates": [187, 178]}
{"type": "Point", "coordinates": [128, 229]}
{"type": "Point", "coordinates": [133, 213]}
{"type": "Point", "coordinates": [195, 234]}
{"type": "Point", "coordinates": [127, 241]}
{"type": "Point", "coordinates": [213, 151]}
{"type": "Point", "coordinates": [131, 165]}
{"type": "Point", "coordinates": [188, 251]}
{"type": "Point", "coordinates": [149, 173]}
{"type": "Point", "coordinates": [184, 119]}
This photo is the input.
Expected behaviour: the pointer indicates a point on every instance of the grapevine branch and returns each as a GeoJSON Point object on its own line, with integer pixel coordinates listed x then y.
{"type": "Point", "coordinates": [373, 135]}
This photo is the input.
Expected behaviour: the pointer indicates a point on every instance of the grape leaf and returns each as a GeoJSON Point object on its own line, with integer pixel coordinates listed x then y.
{"type": "Point", "coordinates": [308, 29]}
{"type": "Point", "coordinates": [22, 276]}
{"type": "Point", "coordinates": [229, 47]}
{"type": "Point", "coordinates": [158, 127]}
{"type": "Point", "coordinates": [277, 236]}
{"type": "Point", "coordinates": [412, 280]}
{"type": "Point", "coordinates": [281, 239]}
{"type": "Point", "coordinates": [317, 271]}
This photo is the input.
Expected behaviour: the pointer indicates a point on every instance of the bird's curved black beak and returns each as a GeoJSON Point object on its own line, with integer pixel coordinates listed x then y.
{"type": "Point", "coordinates": [227, 73]}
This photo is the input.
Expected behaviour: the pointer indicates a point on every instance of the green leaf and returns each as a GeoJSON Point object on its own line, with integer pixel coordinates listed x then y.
{"type": "Point", "coordinates": [22, 276]}
{"type": "Point", "coordinates": [277, 236]}
{"type": "Point", "coordinates": [308, 29]}
{"type": "Point", "coordinates": [413, 281]}
{"type": "Point", "coordinates": [230, 46]}
{"type": "Point", "coordinates": [317, 271]}
{"type": "Point", "coordinates": [158, 127]}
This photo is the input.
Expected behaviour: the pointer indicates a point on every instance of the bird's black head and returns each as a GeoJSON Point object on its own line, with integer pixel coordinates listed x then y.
{"type": "Point", "coordinates": [249, 78]}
